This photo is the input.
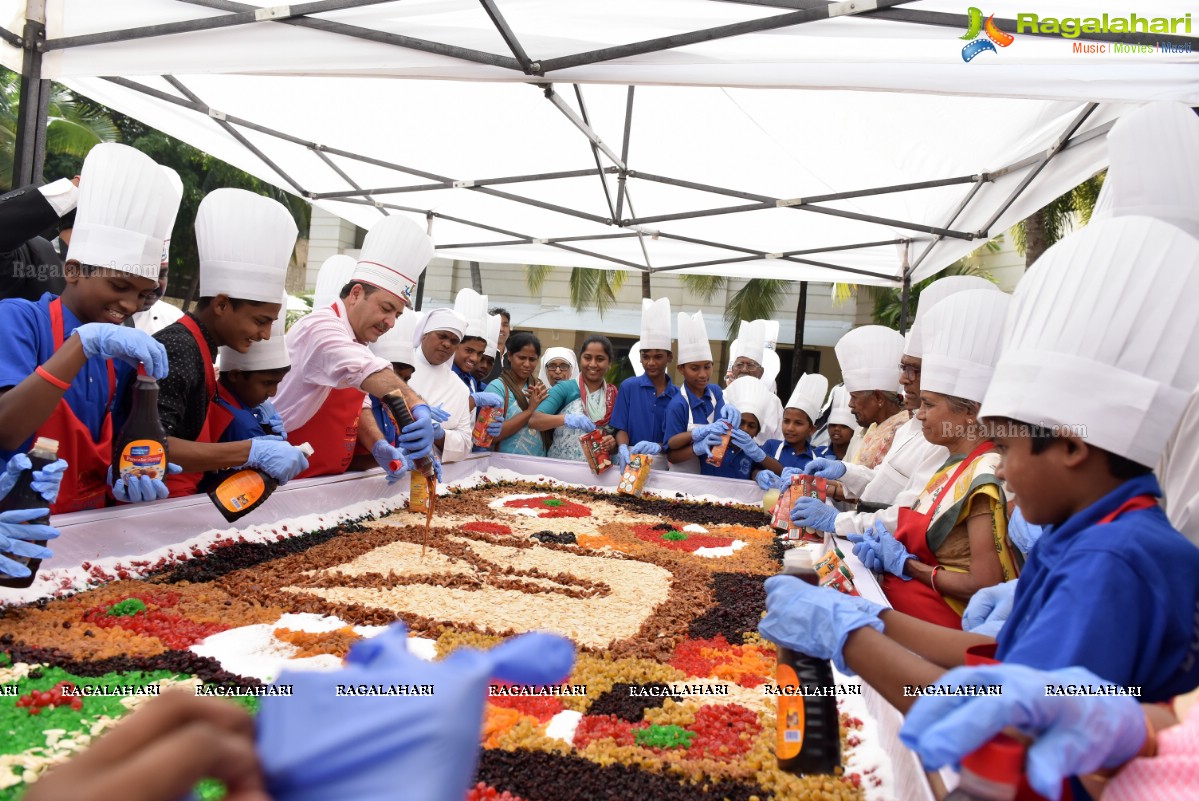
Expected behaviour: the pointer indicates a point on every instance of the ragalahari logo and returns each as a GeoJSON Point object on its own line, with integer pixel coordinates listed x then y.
{"type": "Point", "coordinates": [994, 35]}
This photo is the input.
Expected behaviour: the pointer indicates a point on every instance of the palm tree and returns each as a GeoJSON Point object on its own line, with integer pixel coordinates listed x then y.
{"type": "Point", "coordinates": [588, 287]}
{"type": "Point", "coordinates": [1040, 230]}
{"type": "Point", "coordinates": [758, 299]}
{"type": "Point", "coordinates": [73, 127]}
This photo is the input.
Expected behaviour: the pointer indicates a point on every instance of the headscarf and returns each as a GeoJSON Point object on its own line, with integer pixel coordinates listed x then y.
{"type": "Point", "coordinates": [567, 355]}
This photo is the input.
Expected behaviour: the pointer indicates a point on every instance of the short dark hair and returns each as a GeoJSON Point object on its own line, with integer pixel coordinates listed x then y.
{"type": "Point", "coordinates": [236, 303]}
{"type": "Point", "coordinates": [520, 340]}
{"type": "Point", "coordinates": [1119, 466]}
{"type": "Point", "coordinates": [502, 312]}
{"type": "Point", "coordinates": [604, 342]}
{"type": "Point", "coordinates": [464, 340]}
{"type": "Point", "coordinates": [367, 289]}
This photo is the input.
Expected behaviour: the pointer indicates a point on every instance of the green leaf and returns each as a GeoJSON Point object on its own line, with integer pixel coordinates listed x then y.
{"type": "Point", "coordinates": [705, 287]}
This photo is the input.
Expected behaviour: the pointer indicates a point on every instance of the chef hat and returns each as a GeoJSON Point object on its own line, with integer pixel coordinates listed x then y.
{"type": "Point", "coordinates": [1101, 335]}
{"type": "Point", "coordinates": [266, 354]}
{"type": "Point", "coordinates": [438, 320]}
{"type": "Point", "coordinates": [770, 329]}
{"type": "Point", "coordinates": [748, 395]}
{"type": "Point", "coordinates": [169, 211]}
{"type": "Point", "coordinates": [869, 358]}
{"type": "Point", "coordinates": [635, 359]}
{"type": "Point", "coordinates": [693, 339]}
{"type": "Point", "coordinates": [1154, 170]}
{"type": "Point", "coordinates": [751, 340]}
{"type": "Point", "coordinates": [809, 394]}
{"type": "Point", "coordinates": [965, 332]}
{"type": "Point", "coordinates": [473, 308]}
{"type": "Point", "coordinates": [770, 368]}
{"type": "Point", "coordinates": [394, 256]}
{"type": "Point", "coordinates": [655, 324]}
{"type": "Point", "coordinates": [494, 323]}
{"type": "Point", "coordinates": [566, 354]}
{"type": "Point", "coordinates": [333, 276]}
{"type": "Point", "coordinates": [397, 345]}
{"type": "Point", "coordinates": [839, 413]}
{"type": "Point", "coordinates": [124, 198]}
{"type": "Point", "coordinates": [245, 242]}
{"type": "Point", "coordinates": [933, 294]}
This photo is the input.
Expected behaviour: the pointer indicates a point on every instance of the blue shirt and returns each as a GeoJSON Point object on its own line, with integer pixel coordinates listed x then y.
{"type": "Point", "coordinates": [788, 456]}
{"type": "Point", "coordinates": [735, 465]}
{"type": "Point", "coordinates": [686, 409]}
{"type": "Point", "coordinates": [640, 412]}
{"type": "Point", "coordinates": [28, 342]}
{"type": "Point", "coordinates": [823, 452]}
{"type": "Point", "coordinates": [472, 383]}
{"type": "Point", "coordinates": [246, 423]}
{"type": "Point", "coordinates": [1120, 599]}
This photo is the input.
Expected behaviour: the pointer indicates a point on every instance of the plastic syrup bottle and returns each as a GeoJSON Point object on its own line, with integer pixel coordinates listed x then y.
{"type": "Point", "coordinates": [242, 491]}
{"type": "Point", "coordinates": [809, 729]}
{"type": "Point", "coordinates": [992, 773]}
{"type": "Point", "coordinates": [422, 491]}
{"type": "Point", "coordinates": [24, 496]}
{"type": "Point", "coordinates": [403, 418]}
{"type": "Point", "coordinates": [141, 447]}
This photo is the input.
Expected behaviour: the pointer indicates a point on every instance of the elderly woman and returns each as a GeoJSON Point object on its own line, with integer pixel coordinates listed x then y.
{"type": "Point", "coordinates": [574, 408]}
{"type": "Point", "coordinates": [558, 365]}
{"type": "Point", "coordinates": [522, 393]}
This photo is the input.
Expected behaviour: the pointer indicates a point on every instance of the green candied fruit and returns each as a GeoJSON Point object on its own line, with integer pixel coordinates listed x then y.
{"type": "Point", "coordinates": [665, 737]}
{"type": "Point", "coordinates": [211, 790]}
{"type": "Point", "coordinates": [126, 608]}
{"type": "Point", "coordinates": [674, 536]}
{"type": "Point", "coordinates": [551, 502]}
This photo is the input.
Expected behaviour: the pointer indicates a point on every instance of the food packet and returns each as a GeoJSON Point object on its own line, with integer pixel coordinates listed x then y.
{"type": "Point", "coordinates": [632, 480]}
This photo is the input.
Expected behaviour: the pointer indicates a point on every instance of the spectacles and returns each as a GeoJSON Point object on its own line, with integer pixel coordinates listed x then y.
{"type": "Point", "coordinates": [911, 370]}
{"type": "Point", "coordinates": [557, 368]}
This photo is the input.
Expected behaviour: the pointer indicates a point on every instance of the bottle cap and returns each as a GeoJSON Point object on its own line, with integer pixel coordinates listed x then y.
{"type": "Point", "coordinates": [306, 449]}
{"type": "Point", "coordinates": [1000, 760]}
{"type": "Point", "coordinates": [141, 369]}
{"type": "Point", "coordinates": [797, 560]}
{"type": "Point", "coordinates": [46, 444]}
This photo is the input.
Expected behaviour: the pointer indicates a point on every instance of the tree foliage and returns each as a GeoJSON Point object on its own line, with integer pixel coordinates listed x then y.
{"type": "Point", "coordinates": [589, 288]}
{"type": "Point", "coordinates": [757, 299]}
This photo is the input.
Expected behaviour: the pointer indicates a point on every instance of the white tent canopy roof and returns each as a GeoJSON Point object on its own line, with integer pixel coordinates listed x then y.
{"type": "Point", "coordinates": [767, 122]}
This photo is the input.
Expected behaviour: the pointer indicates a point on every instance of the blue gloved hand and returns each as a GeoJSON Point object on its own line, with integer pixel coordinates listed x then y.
{"type": "Point", "coordinates": [747, 445]}
{"type": "Point", "coordinates": [16, 537]}
{"type": "Point", "coordinates": [703, 448]}
{"type": "Point", "coordinates": [385, 455]}
{"type": "Point", "coordinates": [280, 460]}
{"type": "Point", "coordinates": [768, 480]}
{"type": "Point", "coordinates": [1023, 534]}
{"type": "Point", "coordinates": [316, 745]}
{"type": "Point", "coordinates": [1074, 734]}
{"type": "Point", "coordinates": [700, 433]}
{"type": "Point", "coordinates": [266, 415]}
{"type": "Point", "coordinates": [865, 547]}
{"type": "Point", "coordinates": [825, 468]}
{"type": "Point", "coordinates": [416, 438]}
{"type": "Point", "coordinates": [486, 399]}
{"type": "Point", "coordinates": [623, 456]}
{"type": "Point", "coordinates": [814, 513]}
{"type": "Point", "coordinates": [437, 470]}
{"type": "Point", "coordinates": [141, 488]}
{"type": "Point", "coordinates": [130, 345]}
{"type": "Point", "coordinates": [989, 609]}
{"type": "Point", "coordinates": [45, 482]}
{"type": "Point", "coordinates": [785, 476]}
{"type": "Point", "coordinates": [730, 415]}
{"type": "Point", "coordinates": [647, 448]}
{"type": "Point", "coordinates": [438, 431]}
{"type": "Point", "coordinates": [891, 551]}
{"type": "Point", "coordinates": [439, 414]}
{"type": "Point", "coordinates": [815, 620]}
{"type": "Point", "coordinates": [579, 421]}
{"type": "Point", "coordinates": [495, 429]}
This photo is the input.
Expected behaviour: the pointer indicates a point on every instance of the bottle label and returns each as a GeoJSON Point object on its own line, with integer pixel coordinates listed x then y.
{"type": "Point", "coordinates": [418, 493]}
{"type": "Point", "coordinates": [143, 457]}
{"type": "Point", "coordinates": [790, 715]}
{"type": "Point", "coordinates": [241, 490]}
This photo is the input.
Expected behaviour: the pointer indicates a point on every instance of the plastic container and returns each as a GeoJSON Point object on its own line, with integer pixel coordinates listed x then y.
{"type": "Point", "coordinates": [809, 729]}
{"type": "Point", "coordinates": [141, 447]}
{"type": "Point", "coordinates": [24, 496]}
{"type": "Point", "coordinates": [242, 491]}
{"type": "Point", "coordinates": [992, 773]}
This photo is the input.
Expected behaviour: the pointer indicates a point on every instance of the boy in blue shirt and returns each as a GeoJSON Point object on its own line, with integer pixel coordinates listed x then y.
{"type": "Point", "coordinates": [794, 450]}
{"type": "Point", "coordinates": [639, 416]}
{"type": "Point", "coordinates": [698, 417]}
{"type": "Point", "coordinates": [247, 383]}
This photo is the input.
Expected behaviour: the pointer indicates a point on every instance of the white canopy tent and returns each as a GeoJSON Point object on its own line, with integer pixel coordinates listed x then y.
{"type": "Point", "coordinates": [763, 138]}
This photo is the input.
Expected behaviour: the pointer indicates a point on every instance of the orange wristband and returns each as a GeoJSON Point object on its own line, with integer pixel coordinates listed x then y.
{"type": "Point", "coordinates": [53, 379]}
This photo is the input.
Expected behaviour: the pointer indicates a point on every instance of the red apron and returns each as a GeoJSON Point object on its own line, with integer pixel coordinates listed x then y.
{"type": "Point", "coordinates": [85, 482]}
{"type": "Point", "coordinates": [332, 431]}
{"type": "Point", "coordinates": [912, 597]}
{"type": "Point", "coordinates": [181, 484]}
{"type": "Point", "coordinates": [219, 417]}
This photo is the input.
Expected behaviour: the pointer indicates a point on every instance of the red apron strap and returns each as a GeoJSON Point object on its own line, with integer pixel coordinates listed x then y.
{"type": "Point", "coordinates": [192, 326]}
{"type": "Point", "coordinates": [961, 468]}
{"type": "Point", "coordinates": [1131, 505]}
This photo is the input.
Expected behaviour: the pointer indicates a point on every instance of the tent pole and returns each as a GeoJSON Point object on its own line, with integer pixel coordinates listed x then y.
{"type": "Point", "coordinates": [342, 173]}
{"type": "Point", "coordinates": [420, 282]}
{"type": "Point", "coordinates": [801, 319]}
{"type": "Point", "coordinates": [905, 300]}
{"type": "Point", "coordinates": [497, 19]}
{"type": "Point", "coordinates": [599, 168]}
{"type": "Point", "coordinates": [29, 153]}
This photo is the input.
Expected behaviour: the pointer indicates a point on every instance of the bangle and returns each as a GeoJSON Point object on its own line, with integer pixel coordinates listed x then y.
{"type": "Point", "coordinates": [53, 379]}
{"type": "Point", "coordinates": [932, 580]}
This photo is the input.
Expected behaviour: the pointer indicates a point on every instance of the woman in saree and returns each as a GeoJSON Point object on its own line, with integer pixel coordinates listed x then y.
{"type": "Point", "coordinates": [579, 406]}
{"type": "Point", "coordinates": [522, 393]}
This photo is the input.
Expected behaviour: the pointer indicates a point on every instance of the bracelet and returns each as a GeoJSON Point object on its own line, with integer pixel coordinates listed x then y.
{"type": "Point", "coordinates": [53, 379]}
{"type": "Point", "coordinates": [932, 580]}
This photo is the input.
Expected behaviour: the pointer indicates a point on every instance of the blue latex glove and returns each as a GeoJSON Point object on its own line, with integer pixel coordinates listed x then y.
{"type": "Point", "coordinates": [486, 399]}
{"type": "Point", "coordinates": [730, 415]}
{"type": "Point", "coordinates": [989, 609]}
{"type": "Point", "coordinates": [130, 345]}
{"type": "Point", "coordinates": [825, 468]}
{"type": "Point", "coordinates": [785, 476]}
{"type": "Point", "coordinates": [416, 438]}
{"type": "Point", "coordinates": [16, 536]}
{"type": "Point", "coordinates": [439, 414]}
{"type": "Point", "coordinates": [266, 414]}
{"type": "Point", "coordinates": [814, 513]}
{"type": "Point", "coordinates": [385, 454]}
{"type": "Point", "coordinates": [317, 746]}
{"type": "Point", "coordinates": [280, 460]}
{"type": "Point", "coordinates": [622, 457]}
{"type": "Point", "coordinates": [438, 431]}
{"type": "Point", "coordinates": [579, 421]}
{"type": "Point", "coordinates": [891, 552]}
{"type": "Point", "coordinates": [142, 488]}
{"type": "Point", "coordinates": [45, 482]}
{"type": "Point", "coordinates": [1074, 734]}
{"type": "Point", "coordinates": [814, 620]}
{"type": "Point", "coordinates": [437, 470]}
{"type": "Point", "coordinates": [647, 448]}
{"type": "Point", "coordinates": [494, 429]}
{"type": "Point", "coordinates": [865, 547]}
{"type": "Point", "coordinates": [1023, 534]}
{"type": "Point", "coordinates": [747, 445]}
{"type": "Point", "coordinates": [700, 433]}
{"type": "Point", "coordinates": [768, 480]}
{"type": "Point", "coordinates": [703, 448]}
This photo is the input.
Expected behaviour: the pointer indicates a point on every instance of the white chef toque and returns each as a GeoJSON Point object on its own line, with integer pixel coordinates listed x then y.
{"type": "Point", "coordinates": [933, 294]}
{"type": "Point", "coordinates": [245, 242]}
{"type": "Point", "coordinates": [494, 323]}
{"type": "Point", "coordinates": [747, 395]}
{"type": "Point", "coordinates": [770, 368]}
{"type": "Point", "coordinates": [839, 413]}
{"type": "Point", "coordinates": [963, 341]}
{"type": "Point", "coordinates": [331, 279]}
{"type": "Point", "coordinates": [266, 354]}
{"type": "Point", "coordinates": [473, 308]}
{"type": "Point", "coordinates": [751, 340]}
{"type": "Point", "coordinates": [655, 324]}
{"type": "Point", "coordinates": [808, 395]}
{"type": "Point", "coordinates": [168, 212]}
{"type": "Point", "coordinates": [869, 358]}
{"type": "Point", "coordinates": [438, 320]}
{"type": "Point", "coordinates": [124, 199]}
{"type": "Point", "coordinates": [693, 339]}
{"type": "Point", "coordinates": [1101, 335]}
{"type": "Point", "coordinates": [771, 330]}
{"type": "Point", "coordinates": [635, 359]}
{"type": "Point", "coordinates": [394, 256]}
{"type": "Point", "coordinates": [396, 344]}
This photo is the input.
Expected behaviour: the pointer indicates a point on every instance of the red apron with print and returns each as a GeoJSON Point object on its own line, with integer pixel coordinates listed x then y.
{"type": "Point", "coordinates": [912, 597]}
{"type": "Point", "coordinates": [332, 431]}
{"type": "Point", "coordinates": [181, 484]}
{"type": "Point", "coordinates": [85, 481]}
